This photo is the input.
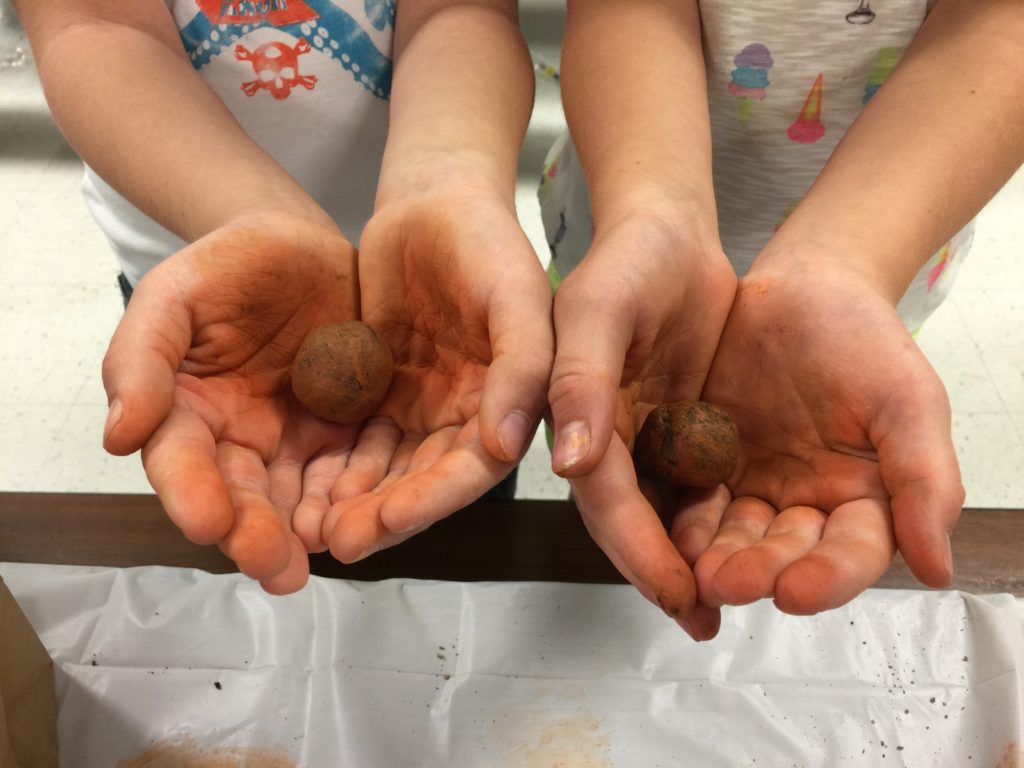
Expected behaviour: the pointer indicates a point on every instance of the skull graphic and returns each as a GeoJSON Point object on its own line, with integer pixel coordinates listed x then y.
{"type": "Point", "coordinates": [277, 68]}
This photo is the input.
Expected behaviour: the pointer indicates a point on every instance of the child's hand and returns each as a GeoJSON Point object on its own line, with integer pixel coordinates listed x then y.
{"type": "Point", "coordinates": [637, 324]}
{"type": "Point", "coordinates": [845, 448]}
{"type": "Point", "coordinates": [453, 285]}
{"type": "Point", "coordinates": [197, 376]}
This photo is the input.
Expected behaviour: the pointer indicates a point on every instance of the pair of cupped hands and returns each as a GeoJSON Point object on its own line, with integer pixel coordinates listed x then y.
{"type": "Point", "coordinates": [845, 448]}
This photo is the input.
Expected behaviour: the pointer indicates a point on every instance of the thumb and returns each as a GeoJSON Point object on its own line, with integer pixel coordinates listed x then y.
{"type": "Point", "coordinates": [630, 532]}
{"type": "Point", "coordinates": [920, 470]}
{"type": "Point", "coordinates": [593, 332]}
{"type": "Point", "coordinates": [515, 389]}
{"type": "Point", "coordinates": [141, 362]}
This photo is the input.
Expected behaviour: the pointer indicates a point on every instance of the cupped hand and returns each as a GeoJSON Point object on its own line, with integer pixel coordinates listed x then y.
{"type": "Point", "coordinates": [845, 450]}
{"type": "Point", "coordinates": [197, 377]}
{"type": "Point", "coordinates": [456, 290]}
{"type": "Point", "coordinates": [637, 324]}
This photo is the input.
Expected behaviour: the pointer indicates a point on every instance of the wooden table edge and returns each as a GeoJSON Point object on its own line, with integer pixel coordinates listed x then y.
{"type": "Point", "coordinates": [522, 540]}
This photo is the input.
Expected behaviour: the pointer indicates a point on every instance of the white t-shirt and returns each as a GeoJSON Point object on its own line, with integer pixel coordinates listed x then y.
{"type": "Point", "coordinates": [308, 80]}
{"type": "Point", "coordinates": [786, 79]}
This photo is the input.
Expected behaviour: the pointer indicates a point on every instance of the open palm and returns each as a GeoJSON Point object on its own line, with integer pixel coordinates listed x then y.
{"type": "Point", "coordinates": [457, 292]}
{"type": "Point", "coordinates": [197, 376]}
{"type": "Point", "coordinates": [845, 449]}
{"type": "Point", "coordinates": [637, 325]}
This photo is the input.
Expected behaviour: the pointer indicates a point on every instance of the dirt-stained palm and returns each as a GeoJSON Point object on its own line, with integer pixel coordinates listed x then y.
{"type": "Point", "coordinates": [454, 287]}
{"type": "Point", "coordinates": [197, 377]}
{"type": "Point", "coordinates": [845, 449]}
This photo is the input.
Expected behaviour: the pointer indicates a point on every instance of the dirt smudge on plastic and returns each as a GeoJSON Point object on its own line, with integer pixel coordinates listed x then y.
{"type": "Point", "coordinates": [569, 742]}
{"type": "Point", "coordinates": [184, 753]}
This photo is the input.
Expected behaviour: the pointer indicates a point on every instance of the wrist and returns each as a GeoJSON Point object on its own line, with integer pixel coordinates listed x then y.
{"type": "Point", "coordinates": [277, 211]}
{"type": "Point", "coordinates": [794, 257]}
{"type": "Point", "coordinates": [684, 216]}
{"type": "Point", "coordinates": [432, 174]}
{"type": "Point", "coordinates": [257, 193]}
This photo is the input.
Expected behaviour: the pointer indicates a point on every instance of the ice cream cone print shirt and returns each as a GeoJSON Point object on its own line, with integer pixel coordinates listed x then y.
{"type": "Point", "coordinates": [308, 80]}
{"type": "Point", "coordinates": [786, 79]}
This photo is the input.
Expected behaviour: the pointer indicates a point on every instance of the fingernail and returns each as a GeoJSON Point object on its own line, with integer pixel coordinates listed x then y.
{"type": "Point", "coordinates": [572, 446]}
{"type": "Point", "coordinates": [367, 552]}
{"type": "Point", "coordinates": [415, 526]}
{"type": "Point", "coordinates": [948, 556]}
{"type": "Point", "coordinates": [512, 434]}
{"type": "Point", "coordinates": [113, 418]}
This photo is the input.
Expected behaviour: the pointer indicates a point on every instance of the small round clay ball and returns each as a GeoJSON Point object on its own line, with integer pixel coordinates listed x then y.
{"type": "Point", "coordinates": [342, 372]}
{"type": "Point", "coordinates": [691, 444]}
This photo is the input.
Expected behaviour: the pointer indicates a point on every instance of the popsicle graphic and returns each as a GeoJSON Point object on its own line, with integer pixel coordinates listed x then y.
{"type": "Point", "coordinates": [549, 172]}
{"type": "Point", "coordinates": [941, 261]}
{"type": "Point", "coordinates": [750, 77]}
{"type": "Point", "coordinates": [808, 128]}
{"type": "Point", "coordinates": [885, 63]}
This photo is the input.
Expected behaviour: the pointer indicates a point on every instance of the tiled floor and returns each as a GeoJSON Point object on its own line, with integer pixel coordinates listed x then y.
{"type": "Point", "coordinates": [59, 305]}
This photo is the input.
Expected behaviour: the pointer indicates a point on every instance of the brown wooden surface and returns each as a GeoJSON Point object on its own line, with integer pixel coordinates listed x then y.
{"type": "Point", "coordinates": [492, 541]}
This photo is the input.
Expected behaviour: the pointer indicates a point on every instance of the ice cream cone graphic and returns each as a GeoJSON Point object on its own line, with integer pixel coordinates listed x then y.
{"type": "Point", "coordinates": [808, 128]}
{"type": "Point", "coordinates": [862, 14]}
{"type": "Point", "coordinates": [885, 63]}
{"type": "Point", "coordinates": [749, 79]}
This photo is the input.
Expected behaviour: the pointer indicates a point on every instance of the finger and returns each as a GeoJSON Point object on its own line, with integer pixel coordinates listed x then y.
{"type": "Point", "coordinates": [141, 361]}
{"type": "Point", "coordinates": [703, 623]}
{"type": "Point", "coordinates": [284, 485]}
{"type": "Point", "coordinates": [750, 574]}
{"type": "Point", "coordinates": [295, 576]}
{"type": "Point", "coordinates": [744, 523]}
{"type": "Point", "coordinates": [343, 473]}
{"type": "Point", "coordinates": [593, 331]}
{"type": "Point", "coordinates": [360, 532]}
{"type": "Point", "coordinates": [318, 478]}
{"type": "Point", "coordinates": [311, 455]}
{"type": "Point", "coordinates": [259, 541]}
{"type": "Point", "coordinates": [441, 482]}
{"type": "Point", "coordinates": [630, 533]}
{"type": "Point", "coordinates": [920, 470]}
{"type": "Point", "coordinates": [181, 464]}
{"type": "Point", "coordinates": [694, 527]}
{"type": "Point", "coordinates": [516, 385]}
{"type": "Point", "coordinates": [856, 548]}
{"type": "Point", "coordinates": [371, 459]}
{"type": "Point", "coordinates": [353, 527]}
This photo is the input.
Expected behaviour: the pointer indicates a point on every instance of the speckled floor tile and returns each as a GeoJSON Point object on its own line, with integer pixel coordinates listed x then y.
{"type": "Point", "coordinates": [76, 461]}
{"type": "Point", "coordinates": [991, 455]}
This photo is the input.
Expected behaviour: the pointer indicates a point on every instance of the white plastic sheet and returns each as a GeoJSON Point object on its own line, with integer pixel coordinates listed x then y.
{"type": "Point", "coordinates": [404, 674]}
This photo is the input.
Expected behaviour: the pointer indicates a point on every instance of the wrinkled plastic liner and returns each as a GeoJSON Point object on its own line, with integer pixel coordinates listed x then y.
{"type": "Point", "coordinates": [407, 673]}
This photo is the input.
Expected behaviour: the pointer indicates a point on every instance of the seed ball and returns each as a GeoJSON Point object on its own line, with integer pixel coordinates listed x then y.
{"type": "Point", "coordinates": [342, 372]}
{"type": "Point", "coordinates": [687, 443]}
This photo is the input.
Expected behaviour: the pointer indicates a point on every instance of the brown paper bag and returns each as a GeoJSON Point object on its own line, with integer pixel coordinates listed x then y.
{"type": "Point", "coordinates": [28, 708]}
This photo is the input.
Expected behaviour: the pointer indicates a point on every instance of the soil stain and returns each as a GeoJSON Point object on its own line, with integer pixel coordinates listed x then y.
{"type": "Point", "coordinates": [183, 753]}
{"type": "Point", "coordinates": [571, 742]}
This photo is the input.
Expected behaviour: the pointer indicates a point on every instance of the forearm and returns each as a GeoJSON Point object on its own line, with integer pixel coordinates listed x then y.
{"type": "Point", "coordinates": [940, 138]}
{"type": "Point", "coordinates": [638, 114]}
{"type": "Point", "coordinates": [460, 100]}
{"type": "Point", "coordinates": [125, 96]}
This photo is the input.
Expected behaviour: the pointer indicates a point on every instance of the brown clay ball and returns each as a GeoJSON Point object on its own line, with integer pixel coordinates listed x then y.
{"type": "Point", "coordinates": [691, 444]}
{"type": "Point", "coordinates": [342, 372]}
